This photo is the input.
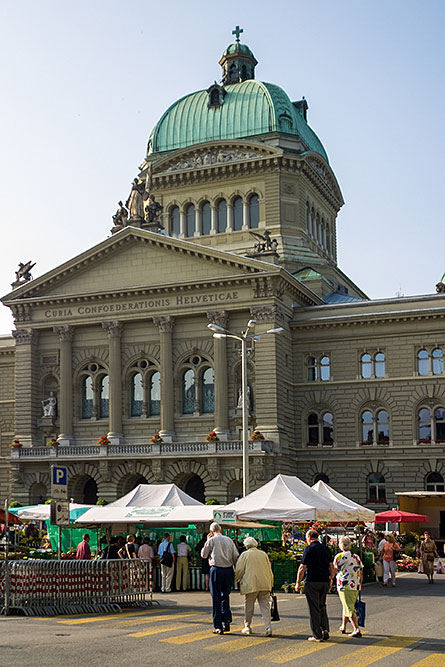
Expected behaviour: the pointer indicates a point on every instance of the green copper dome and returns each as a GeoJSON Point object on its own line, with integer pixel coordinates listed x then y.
{"type": "Point", "coordinates": [247, 109]}
{"type": "Point", "coordinates": [237, 48]}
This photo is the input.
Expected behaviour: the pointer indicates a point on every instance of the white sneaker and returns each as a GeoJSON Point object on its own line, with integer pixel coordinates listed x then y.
{"type": "Point", "coordinates": [246, 630]}
{"type": "Point", "coordinates": [268, 632]}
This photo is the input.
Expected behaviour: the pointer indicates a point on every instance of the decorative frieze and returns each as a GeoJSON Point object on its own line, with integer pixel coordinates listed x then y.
{"type": "Point", "coordinates": [266, 313]}
{"type": "Point", "coordinates": [208, 158]}
{"type": "Point", "coordinates": [21, 312]}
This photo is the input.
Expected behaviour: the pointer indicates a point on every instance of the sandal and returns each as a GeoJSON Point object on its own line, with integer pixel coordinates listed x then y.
{"type": "Point", "coordinates": [218, 631]}
{"type": "Point", "coordinates": [356, 633]}
{"type": "Point", "coordinates": [342, 630]}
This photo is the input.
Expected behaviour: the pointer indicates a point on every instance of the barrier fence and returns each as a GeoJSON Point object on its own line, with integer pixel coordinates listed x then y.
{"type": "Point", "coordinates": [39, 587]}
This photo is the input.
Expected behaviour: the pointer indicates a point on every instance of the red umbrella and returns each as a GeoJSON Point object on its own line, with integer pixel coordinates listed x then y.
{"type": "Point", "coordinates": [397, 516]}
{"type": "Point", "coordinates": [12, 519]}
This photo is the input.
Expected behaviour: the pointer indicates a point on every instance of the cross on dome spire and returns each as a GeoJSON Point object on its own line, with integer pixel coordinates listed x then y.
{"type": "Point", "coordinates": [237, 32]}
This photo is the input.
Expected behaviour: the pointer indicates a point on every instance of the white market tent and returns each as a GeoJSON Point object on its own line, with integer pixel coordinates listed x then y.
{"type": "Point", "coordinates": [155, 495]}
{"type": "Point", "coordinates": [362, 513]}
{"type": "Point", "coordinates": [42, 512]}
{"type": "Point", "coordinates": [287, 498]}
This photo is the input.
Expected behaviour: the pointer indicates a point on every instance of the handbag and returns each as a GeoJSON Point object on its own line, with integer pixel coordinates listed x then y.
{"type": "Point", "coordinates": [274, 615]}
{"type": "Point", "coordinates": [440, 569]}
{"type": "Point", "coordinates": [378, 566]}
{"type": "Point", "coordinates": [360, 610]}
{"type": "Point", "coordinates": [167, 557]}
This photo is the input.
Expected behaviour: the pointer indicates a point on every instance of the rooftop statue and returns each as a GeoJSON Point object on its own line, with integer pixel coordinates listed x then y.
{"type": "Point", "coordinates": [264, 244]}
{"type": "Point", "coordinates": [135, 201]}
{"type": "Point", "coordinates": [24, 271]}
{"type": "Point", "coordinates": [121, 216]}
{"type": "Point", "coordinates": [153, 210]}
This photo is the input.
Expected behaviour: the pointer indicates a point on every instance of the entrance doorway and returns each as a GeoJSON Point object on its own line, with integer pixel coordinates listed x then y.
{"type": "Point", "coordinates": [195, 488]}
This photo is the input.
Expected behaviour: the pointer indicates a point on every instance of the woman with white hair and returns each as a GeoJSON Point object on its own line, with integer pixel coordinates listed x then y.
{"type": "Point", "coordinates": [254, 573]}
{"type": "Point", "coordinates": [349, 569]}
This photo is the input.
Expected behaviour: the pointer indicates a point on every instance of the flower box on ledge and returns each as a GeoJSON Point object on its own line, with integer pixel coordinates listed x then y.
{"type": "Point", "coordinates": [312, 444]}
{"type": "Point", "coordinates": [366, 443]}
{"type": "Point", "coordinates": [103, 441]}
{"type": "Point", "coordinates": [257, 435]}
{"type": "Point", "coordinates": [16, 444]}
{"type": "Point", "coordinates": [212, 437]}
{"type": "Point", "coordinates": [156, 439]}
{"type": "Point", "coordinates": [425, 441]}
{"type": "Point", "coordinates": [328, 443]}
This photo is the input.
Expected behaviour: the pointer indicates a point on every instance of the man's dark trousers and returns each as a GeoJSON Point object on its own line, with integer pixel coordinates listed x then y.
{"type": "Point", "coordinates": [221, 580]}
{"type": "Point", "coordinates": [316, 592]}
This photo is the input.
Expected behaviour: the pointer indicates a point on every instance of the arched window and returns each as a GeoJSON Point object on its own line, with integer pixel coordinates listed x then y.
{"type": "Point", "coordinates": [206, 218]}
{"type": "Point", "coordinates": [424, 421]}
{"type": "Point", "coordinates": [312, 369]}
{"type": "Point", "coordinates": [154, 394]}
{"type": "Point", "coordinates": [382, 427]}
{"type": "Point", "coordinates": [38, 493]}
{"type": "Point", "coordinates": [325, 369]}
{"type": "Point", "coordinates": [234, 490]}
{"type": "Point", "coordinates": [328, 428]}
{"type": "Point", "coordinates": [188, 392]}
{"type": "Point", "coordinates": [208, 391]}
{"type": "Point", "coordinates": [221, 211]}
{"type": "Point", "coordinates": [104, 396]}
{"type": "Point", "coordinates": [195, 488]}
{"type": "Point", "coordinates": [367, 427]}
{"type": "Point", "coordinates": [321, 477]}
{"type": "Point", "coordinates": [254, 211]}
{"type": "Point", "coordinates": [434, 482]}
{"type": "Point", "coordinates": [237, 214]}
{"type": "Point", "coordinates": [379, 365]}
{"type": "Point", "coordinates": [190, 220]}
{"type": "Point", "coordinates": [437, 359]}
{"type": "Point", "coordinates": [312, 430]}
{"type": "Point", "coordinates": [87, 397]}
{"type": "Point", "coordinates": [175, 225]}
{"type": "Point", "coordinates": [366, 363]}
{"type": "Point", "coordinates": [90, 492]}
{"type": "Point", "coordinates": [376, 488]}
{"type": "Point", "coordinates": [137, 395]}
{"type": "Point", "coordinates": [214, 98]}
{"type": "Point", "coordinates": [308, 219]}
{"type": "Point", "coordinates": [439, 425]}
{"type": "Point", "coordinates": [422, 362]}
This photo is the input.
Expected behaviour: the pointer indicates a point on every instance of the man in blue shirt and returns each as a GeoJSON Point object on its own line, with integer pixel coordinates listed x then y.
{"type": "Point", "coordinates": [166, 553]}
{"type": "Point", "coordinates": [317, 564]}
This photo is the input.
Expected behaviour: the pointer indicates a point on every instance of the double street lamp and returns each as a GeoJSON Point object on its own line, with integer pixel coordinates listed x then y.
{"type": "Point", "coordinates": [243, 337]}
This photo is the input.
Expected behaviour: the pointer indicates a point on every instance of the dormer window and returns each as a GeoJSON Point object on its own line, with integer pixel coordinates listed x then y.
{"type": "Point", "coordinates": [216, 95]}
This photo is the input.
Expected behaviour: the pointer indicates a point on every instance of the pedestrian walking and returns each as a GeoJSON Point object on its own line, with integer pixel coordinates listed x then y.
{"type": "Point", "coordinates": [254, 573]}
{"type": "Point", "coordinates": [349, 570]}
{"type": "Point", "coordinates": [222, 554]}
{"type": "Point", "coordinates": [428, 550]}
{"type": "Point", "coordinates": [83, 551]}
{"type": "Point", "coordinates": [182, 563]}
{"type": "Point", "coordinates": [389, 548]}
{"type": "Point", "coordinates": [316, 564]}
{"type": "Point", "coordinates": [167, 555]}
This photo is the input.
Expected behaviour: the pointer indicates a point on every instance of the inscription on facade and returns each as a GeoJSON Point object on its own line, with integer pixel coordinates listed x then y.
{"type": "Point", "coordinates": [142, 305]}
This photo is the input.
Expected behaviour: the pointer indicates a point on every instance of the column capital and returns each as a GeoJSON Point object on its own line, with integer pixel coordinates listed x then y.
{"type": "Point", "coordinates": [266, 313]}
{"type": "Point", "coordinates": [25, 336]}
{"type": "Point", "coordinates": [64, 332]}
{"type": "Point", "coordinates": [164, 323]}
{"type": "Point", "coordinates": [219, 317]}
{"type": "Point", "coordinates": [114, 328]}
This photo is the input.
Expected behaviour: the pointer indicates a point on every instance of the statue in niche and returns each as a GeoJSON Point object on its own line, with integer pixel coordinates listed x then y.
{"type": "Point", "coordinates": [121, 216]}
{"type": "Point", "coordinates": [135, 201]}
{"type": "Point", "coordinates": [153, 210]}
{"type": "Point", "coordinates": [49, 405]}
{"type": "Point", "coordinates": [240, 399]}
{"type": "Point", "coordinates": [24, 271]}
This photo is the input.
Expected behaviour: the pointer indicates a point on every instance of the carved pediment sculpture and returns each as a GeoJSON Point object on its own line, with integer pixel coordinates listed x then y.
{"type": "Point", "coordinates": [211, 157]}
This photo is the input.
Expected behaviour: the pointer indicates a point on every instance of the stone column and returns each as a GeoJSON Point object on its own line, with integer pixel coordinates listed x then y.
{"type": "Point", "coordinates": [27, 407]}
{"type": "Point", "coordinates": [181, 223]}
{"type": "Point", "coordinates": [229, 227]}
{"type": "Point", "coordinates": [114, 330]}
{"type": "Point", "coordinates": [213, 219]}
{"type": "Point", "coordinates": [246, 215]}
{"type": "Point", "coordinates": [165, 325]}
{"type": "Point", "coordinates": [65, 405]}
{"type": "Point", "coordinates": [198, 218]}
{"type": "Point", "coordinates": [220, 317]}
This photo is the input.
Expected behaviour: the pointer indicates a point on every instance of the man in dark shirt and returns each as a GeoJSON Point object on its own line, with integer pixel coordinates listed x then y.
{"type": "Point", "coordinates": [317, 564]}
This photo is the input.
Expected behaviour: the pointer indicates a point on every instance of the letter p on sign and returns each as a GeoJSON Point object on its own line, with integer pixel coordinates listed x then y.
{"type": "Point", "coordinates": [59, 482]}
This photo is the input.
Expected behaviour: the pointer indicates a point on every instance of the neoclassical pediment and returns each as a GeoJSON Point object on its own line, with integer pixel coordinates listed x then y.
{"type": "Point", "coordinates": [321, 168]}
{"type": "Point", "coordinates": [211, 155]}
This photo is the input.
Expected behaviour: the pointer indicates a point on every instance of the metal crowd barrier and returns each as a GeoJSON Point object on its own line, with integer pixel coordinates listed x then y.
{"type": "Point", "coordinates": [39, 587]}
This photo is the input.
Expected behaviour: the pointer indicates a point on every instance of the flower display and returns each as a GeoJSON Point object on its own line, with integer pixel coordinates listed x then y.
{"type": "Point", "coordinates": [156, 439]}
{"type": "Point", "coordinates": [103, 440]}
{"type": "Point", "coordinates": [52, 442]}
{"type": "Point", "coordinates": [16, 444]}
{"type": "Point", "coordinates": [257, 435]}
{"type": "Point", "coordinates": [407, 564]}
{"type": "Point", "coordinates": [212, 436]}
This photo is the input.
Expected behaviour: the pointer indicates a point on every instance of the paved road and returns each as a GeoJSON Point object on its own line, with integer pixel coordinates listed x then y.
{"type": "Point", "coordinates": [405, 626]}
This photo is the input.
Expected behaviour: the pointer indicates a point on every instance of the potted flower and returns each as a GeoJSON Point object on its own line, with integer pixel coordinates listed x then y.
{"type": "Point", "coordinates": [257, 435]}
{"type": "Point", "coordinates": [366, 442]}
{"type": "Point", "coordinates": [312, 444]}
{"type": "Point", "coordinates": [16, 444]}
{"type": "Point", "coordinates": [212, 437]}
{"type": "Point", "coordinates": [425, 441]}
{"type": "Point", "coordinates": [156, 439]}
{"type": "Point", "coordinates": [103, 440]}
{"type": "Point", "coordinates": [52, 442]}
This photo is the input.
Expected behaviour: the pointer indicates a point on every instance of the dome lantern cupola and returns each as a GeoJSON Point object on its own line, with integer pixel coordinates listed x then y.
{"type": "Point", "coordinates": [237, 62]}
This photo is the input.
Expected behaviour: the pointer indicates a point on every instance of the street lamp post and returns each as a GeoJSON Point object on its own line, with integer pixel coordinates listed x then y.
{"type": "Point", "coordinates": [243, 337]}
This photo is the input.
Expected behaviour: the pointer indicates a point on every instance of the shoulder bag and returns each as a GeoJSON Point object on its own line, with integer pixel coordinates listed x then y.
{"type": "Point", "coordinates": [274, 615]}
{"type": "Point", "coordinates": [167, 557]}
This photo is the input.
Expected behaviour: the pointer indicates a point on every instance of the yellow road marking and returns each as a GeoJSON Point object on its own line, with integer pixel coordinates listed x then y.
{"type": "Point", "coordinates": [163, 628]}
{"type": "Point", "coordinates": [162, 617]}
{"type": "Point", "coordinates": [190, 637]}
{"type": "Point", "coordinates": [96, 619]}
{"type": "Point", "coordinates": [238, 644]}
{"type": "Point", "coordinates": [369, 654]}
{"type": "Point", "coordinates": [433, 660]}
{"type": "Point", "coordinates": [300, 649]}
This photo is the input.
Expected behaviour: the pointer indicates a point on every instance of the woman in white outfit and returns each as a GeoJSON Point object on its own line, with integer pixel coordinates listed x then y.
{"type": "Point", "coordinates": [254, 573]}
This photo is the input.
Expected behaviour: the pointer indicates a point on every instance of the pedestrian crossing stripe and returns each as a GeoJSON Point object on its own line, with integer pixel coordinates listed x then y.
{"type": "Point", "coordinates": [108, 617]}
{"type": "Point", "coordinates": [367, 655]}
{"type": "Point", "coordinates": [433, 660]}
{"type": "Point", "coordinates": [238, 644]}
{"type": "Point", "coordinates": [300, 649]}
{"type": "Point", "coordinates": [152, 619]}
{"type": "Point", "coordinates": [190, 637]}
{"type": "Point", "coordinates": [162, 628]}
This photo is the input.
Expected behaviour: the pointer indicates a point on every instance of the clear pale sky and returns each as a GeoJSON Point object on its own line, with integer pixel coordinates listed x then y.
{"type": "Point", "coordinates": [84, 82]}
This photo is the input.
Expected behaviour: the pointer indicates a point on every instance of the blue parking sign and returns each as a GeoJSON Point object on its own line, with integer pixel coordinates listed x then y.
{"type": "Point", "coordinates": [59, 482]}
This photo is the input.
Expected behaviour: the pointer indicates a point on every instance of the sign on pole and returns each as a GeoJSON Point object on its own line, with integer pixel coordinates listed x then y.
{"type": "Point", "coordinates": [60, 512]}
{"type": "Point", "coordinates": [59, 483]}
{"type": "Point", "coordinates": [222, 516]}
